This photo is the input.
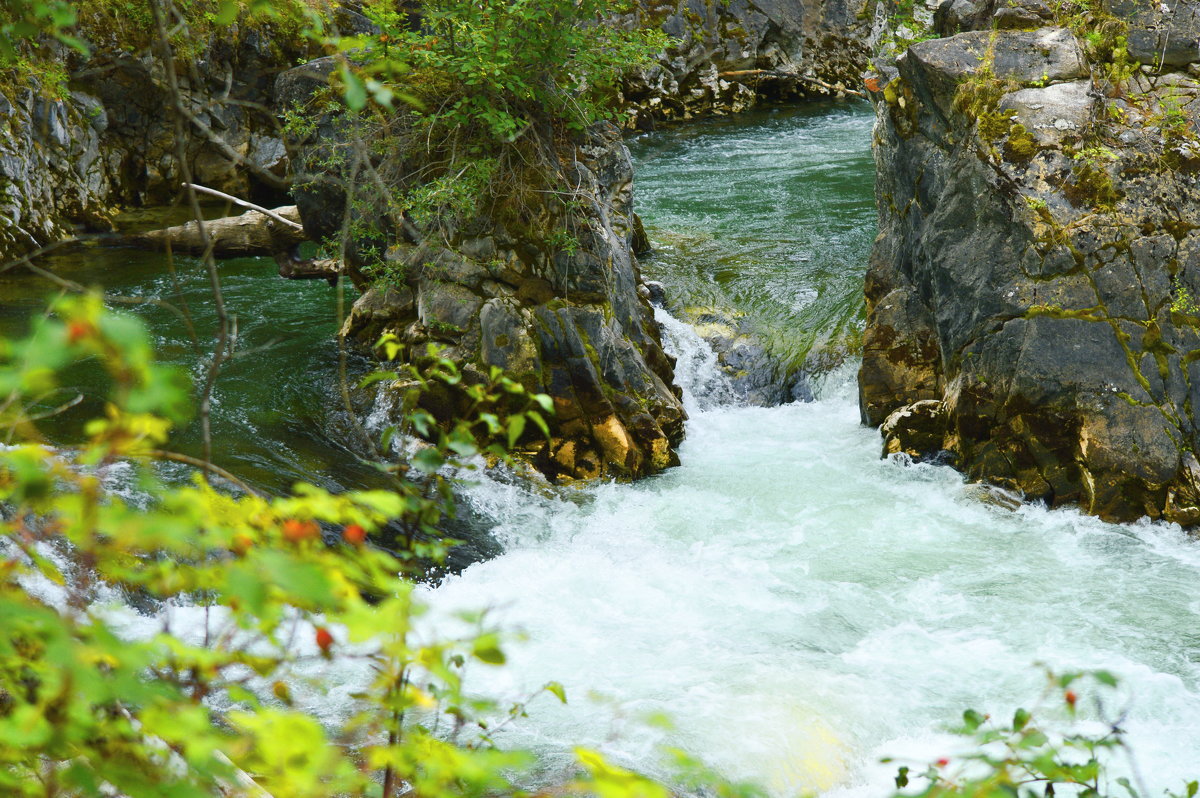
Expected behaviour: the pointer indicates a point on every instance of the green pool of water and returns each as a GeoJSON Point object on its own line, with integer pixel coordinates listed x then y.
{"type": "Point", "coordinates": [770, 215]}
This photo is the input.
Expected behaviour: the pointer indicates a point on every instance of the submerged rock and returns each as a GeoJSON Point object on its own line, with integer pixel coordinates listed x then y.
{"type": "Point", "coordinates": [1031, 294]}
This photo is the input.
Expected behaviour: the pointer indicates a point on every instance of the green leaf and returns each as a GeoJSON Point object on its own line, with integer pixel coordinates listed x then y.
{"type": "Point", "coordinates": [487, 649]}
{"type": "Point", "coordinates": [557, 690]}
{"type": "Point", "coordinates": [1124, 782]}
{"type": "Point", "coordinates": [972, 720]}
{"type": "Point", "coordinates": [377, 376]}
{"type": "Point", "coordinates": [353, 90]}
{"type": "Point", "coordinates": [227, 12]}
{"type": "Point", "coordinates": [902, 777]}
{"type": "Point", "coordinates": [516, 426]}
{"type": "Point", "coordinates": [536, 418]}
{"type": "Point", "coordinates": [1020, 719]}
{"type": "Point", "coordinates": [428, 459]}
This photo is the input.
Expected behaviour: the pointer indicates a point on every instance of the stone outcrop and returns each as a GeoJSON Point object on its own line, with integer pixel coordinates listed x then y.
{"type": "Point", "coordinates": [730, 53]}
{"type": "Point", "coordinates": [565, 319]}
{"type": "Point", "coordinates": [1032, 293]}
{"type": "Point", "coordinates": [69, 159]}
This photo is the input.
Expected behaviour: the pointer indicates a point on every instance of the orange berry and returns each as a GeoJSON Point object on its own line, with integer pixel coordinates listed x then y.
{"type": "Point", "coordinates": [324, 639]}
{"type": "Point", "coordinates": [296, 531]}
{"type": "Point", "coordinates": [242, 543]}
{"type": "Point", "coordinates": [1071, 698]}
{"type": "Point", "coordinates": [354, 534]}
{"type": "Point", "coordinates": [78, 330]}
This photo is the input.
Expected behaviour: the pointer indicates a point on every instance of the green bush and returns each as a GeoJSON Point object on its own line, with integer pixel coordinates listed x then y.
{"type": "Point", "coordinates": [498, 67]}
{"type": "Point", "coordinates": [1041, 752]}
{"type": "Point", "coordinates": [280, 581]}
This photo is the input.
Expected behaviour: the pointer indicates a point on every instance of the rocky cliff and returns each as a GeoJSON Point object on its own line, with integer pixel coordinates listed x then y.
{"type": "Point", "coordinates": [76, 151]}
{"type": "Point", "coordinates": [730, 53]}
{"type": "Point", "coordinates": [551, 293]}
{"type": "Point", "coordinates": [1031, 297]}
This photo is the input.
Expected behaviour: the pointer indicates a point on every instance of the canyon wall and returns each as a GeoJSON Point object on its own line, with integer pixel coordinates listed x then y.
{"type": "Point", "coordinates": [1032, 311]}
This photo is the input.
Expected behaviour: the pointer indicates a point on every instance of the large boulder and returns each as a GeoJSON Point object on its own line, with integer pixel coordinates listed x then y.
{"type": "Point", "coordinates": [561, 313]}
{"type": "Point", "coordinates": [1031, 294]}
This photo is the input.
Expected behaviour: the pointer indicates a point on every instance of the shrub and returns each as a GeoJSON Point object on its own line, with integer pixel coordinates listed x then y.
{"type": "Point", "coordinates": [270, 583]}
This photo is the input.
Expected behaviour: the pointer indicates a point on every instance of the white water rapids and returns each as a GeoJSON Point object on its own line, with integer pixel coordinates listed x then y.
{"type": "Point", "coordinates": [801, 608]}
{"type": "Point", "coordinates": [797, 606]}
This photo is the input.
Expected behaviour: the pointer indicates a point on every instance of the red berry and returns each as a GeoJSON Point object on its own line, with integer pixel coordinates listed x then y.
{"type": "Point", "coordinates": [78, 330]}
{"type": "Point", "coordinates": [1071, 698]}
{"type": "Point", "coordinates": [354, 534]}
{"type": "Point", "coordinates": [324, 639]}
{"type": "Point", "coordinates": [296, 531]}
{"type": "Point", "coordinates": [943, 762]}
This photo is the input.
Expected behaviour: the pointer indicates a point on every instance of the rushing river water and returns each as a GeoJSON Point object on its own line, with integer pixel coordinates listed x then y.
{"type": "Point", "coordinates": [798, 607]}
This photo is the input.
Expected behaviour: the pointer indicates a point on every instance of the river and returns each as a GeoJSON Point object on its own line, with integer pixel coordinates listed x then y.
{"type": "Point", "coordinates": [798, 607]}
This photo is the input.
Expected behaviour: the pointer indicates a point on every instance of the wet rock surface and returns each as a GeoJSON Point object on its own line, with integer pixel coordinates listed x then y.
{"type": "Point", "coordinates": [1031, 295]}
{"type": "Point", "coordinates": [756, 376]}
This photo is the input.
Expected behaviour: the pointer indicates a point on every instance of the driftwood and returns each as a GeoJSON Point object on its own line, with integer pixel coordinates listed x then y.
{"type": "Point", "coordinates": [782, 75]}
{"type": "Point", "coordinates": [212, 192]}
{"type": "Point", "coordinates": [292, 267]}
{"type": "Point", "coordinates": [252, 233]}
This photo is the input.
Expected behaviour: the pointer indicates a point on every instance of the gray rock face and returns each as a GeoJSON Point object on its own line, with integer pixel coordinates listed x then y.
{"type": "Point", "coordinates": [68, 163]}
{"type": "Point", "coordinates": [1055, 114]}
{"type": "Point", "coordinates": [1031, 295]}
{"type": "Point", "coordinates": [566, 320]}
{"type": "Point", "coordinates": [730, 53]}
{"type": "Point", "coordinates": [1162, 34]}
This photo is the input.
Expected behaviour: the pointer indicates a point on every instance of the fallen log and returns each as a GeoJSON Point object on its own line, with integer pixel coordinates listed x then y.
{"type": "Point", "coordinates": [252, 233]}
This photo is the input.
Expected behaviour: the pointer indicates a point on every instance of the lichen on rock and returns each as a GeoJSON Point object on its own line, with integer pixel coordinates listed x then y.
{"type": "Point", "coordinates": [1039, 247]}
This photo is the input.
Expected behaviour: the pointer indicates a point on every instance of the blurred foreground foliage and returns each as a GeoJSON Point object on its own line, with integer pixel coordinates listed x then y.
{"type": "Point", "coordinates": [240, 596]}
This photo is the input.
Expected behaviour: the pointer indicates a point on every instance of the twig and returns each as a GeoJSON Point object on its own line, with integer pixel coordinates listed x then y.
{"type": "Point", "coordinates": [265, 211]}
{"type": "Point", "coordinates": [161, 454]}
{"type": "Point", "coordinates": [181, 116]}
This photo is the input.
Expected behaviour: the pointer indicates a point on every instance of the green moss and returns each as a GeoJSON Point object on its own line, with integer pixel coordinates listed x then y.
{"type": "Point", "coordinates": [1054, 311]}
{"type": "Point", "coordinates": [1091, 185]}
{"type": "Point", "coordinates": [1020, 145]}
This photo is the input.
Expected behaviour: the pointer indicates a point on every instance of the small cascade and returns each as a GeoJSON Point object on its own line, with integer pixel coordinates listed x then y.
{"type": "Point", "coordinates": [705, 386]}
